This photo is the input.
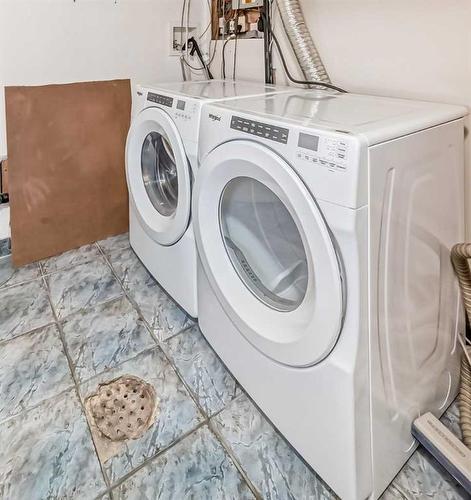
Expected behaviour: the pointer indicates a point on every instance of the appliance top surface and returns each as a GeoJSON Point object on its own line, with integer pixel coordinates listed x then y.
{"type": "Point", "coordinates": [216, 89]}
{"type": "Point", "coordinates": [378, 119]}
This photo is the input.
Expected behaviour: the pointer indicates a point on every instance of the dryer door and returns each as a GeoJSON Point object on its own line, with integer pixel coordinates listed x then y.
{"type": "Point", "coordinates": [268, 253]}
{"type": "Point", "coordinates": [158, 175]}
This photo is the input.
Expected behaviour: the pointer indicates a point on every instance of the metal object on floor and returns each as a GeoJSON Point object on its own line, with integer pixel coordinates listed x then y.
{"type": "Point", "coordinates": [124, 408]}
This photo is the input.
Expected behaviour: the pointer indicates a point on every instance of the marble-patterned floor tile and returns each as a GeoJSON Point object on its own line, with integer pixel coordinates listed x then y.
{"type": "Point", "coordinates": [202, 370]}
{"type": "Point", "coordinates": [195, 468]}
{"type": "Point", "coordinates": [33, 367]}
{"type": "Point", "coordinates": [47, 452]}
{"type": "Point", "coordinates": [162, 314]}
{"type": "Point", "coordinates": [24, 308]}
{"type": "Point", "coordinates": [5, 247]}
{"type": "Point", "coordinates": [392, 493]}
{"type": "Point", "coordinates": [103, 336]}
{"type": "Point", "coordinates": [423, 477]}
{"type": "Point", "coordinates": [129, 268]}
{"type": "Point", "coordinates": [269, 462]}
{"type": "Point", "coordinates": [82, 286]}
{"type": "Point", "coordinates": [118, 242]}
{"type": "Point", "coordinates": [178, 414]}
{"type": "Point", "coordinates": [451, 419]}
{"type": "Point", "coordinates": [74, 257]}
{"type": "Point", "coordinates": [10, 275]}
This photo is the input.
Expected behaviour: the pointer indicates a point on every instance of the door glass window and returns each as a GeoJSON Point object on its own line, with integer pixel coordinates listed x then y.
{"type": "Point", "coordinates": [263, 243]}
{"type": "Point", "coordinates": [159, 173]}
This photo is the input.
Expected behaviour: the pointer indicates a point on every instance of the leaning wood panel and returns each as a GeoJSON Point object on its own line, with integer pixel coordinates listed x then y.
{"type": "Point", "coordinates": [66, 165]}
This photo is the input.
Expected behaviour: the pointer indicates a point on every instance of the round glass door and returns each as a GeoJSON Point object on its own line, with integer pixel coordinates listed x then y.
{"type": "Point", "coordinates": [267, 253]}
{"type": "Point", "coordinates": [263, 243]}
{"type": "Point", "coordinates": [159, 172]}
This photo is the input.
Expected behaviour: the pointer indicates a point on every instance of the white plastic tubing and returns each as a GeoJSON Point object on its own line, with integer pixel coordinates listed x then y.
{"type": "Point", "coordinates": [301, 41]}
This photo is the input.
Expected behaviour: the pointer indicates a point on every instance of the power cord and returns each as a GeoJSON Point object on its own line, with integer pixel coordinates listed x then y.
{"type": "Point", "coordinates": [229, 38]}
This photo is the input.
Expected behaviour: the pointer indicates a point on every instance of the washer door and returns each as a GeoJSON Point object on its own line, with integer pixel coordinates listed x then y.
{"type": "Point", "coordinates": [268, 253]}
{"type": "Point", "coordinates": [158, 175]}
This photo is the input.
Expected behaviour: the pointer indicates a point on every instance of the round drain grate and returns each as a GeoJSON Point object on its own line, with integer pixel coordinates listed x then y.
{"type": "Point", "coordinates": [123, 408]}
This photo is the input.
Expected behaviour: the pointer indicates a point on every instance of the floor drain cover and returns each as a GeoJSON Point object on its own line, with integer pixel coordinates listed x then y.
{"type": "Point", "coordinates": [123, 408]}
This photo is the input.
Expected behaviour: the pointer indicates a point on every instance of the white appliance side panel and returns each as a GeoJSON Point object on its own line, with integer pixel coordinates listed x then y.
{"type": "Point", "coordinates": [323, 410]}
{"type": "Point", "coordinates": [416, 215]}
{"type": "Point", "coordinates": [174, 267]}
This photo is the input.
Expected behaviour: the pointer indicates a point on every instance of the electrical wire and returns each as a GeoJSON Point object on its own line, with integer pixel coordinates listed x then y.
{"type": "Point", "coordinates": [234, 59]}
{"type": "Point", "coordinates": [184, 53]}
{"type": "Point", "coordinates": [286, 69]}
{"type": "Point", "coordinates": [223, 68]}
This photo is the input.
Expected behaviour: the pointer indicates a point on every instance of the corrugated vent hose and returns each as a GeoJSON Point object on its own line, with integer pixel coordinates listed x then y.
{"type": "Point", "coordinates": [459, 257]}
{"type": "Point", "coordinates": [301, 40]}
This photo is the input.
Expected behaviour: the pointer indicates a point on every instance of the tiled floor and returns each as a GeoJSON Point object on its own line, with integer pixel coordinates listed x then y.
{"type": "Point", "coordinates": [92, 314]}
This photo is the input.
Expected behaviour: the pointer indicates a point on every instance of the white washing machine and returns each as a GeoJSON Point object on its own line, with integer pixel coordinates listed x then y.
{"type": "Point", "coordinates": [161, 162]}
{"type": "Point", "coordinates": [323, 223]}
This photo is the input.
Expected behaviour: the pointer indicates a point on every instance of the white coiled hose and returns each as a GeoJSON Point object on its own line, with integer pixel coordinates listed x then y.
{"type": "Point", "coordinates": [459, 257]}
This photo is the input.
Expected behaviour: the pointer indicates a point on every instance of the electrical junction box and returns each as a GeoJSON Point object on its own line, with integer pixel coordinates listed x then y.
{"type": "Point", "coordinates": [246, 4]}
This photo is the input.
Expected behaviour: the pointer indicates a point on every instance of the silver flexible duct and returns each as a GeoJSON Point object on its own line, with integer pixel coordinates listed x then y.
{"type": "Point", "coordinates": [301, 41]}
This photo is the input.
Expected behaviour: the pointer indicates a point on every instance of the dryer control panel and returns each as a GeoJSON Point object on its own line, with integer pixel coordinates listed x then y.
{"type": "Point", "coordinates": [327, 152]}
{"type": "Point", "coordinates": [259, 129]}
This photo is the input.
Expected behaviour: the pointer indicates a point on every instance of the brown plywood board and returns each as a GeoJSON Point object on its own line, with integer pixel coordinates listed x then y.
{"type": "Point", "coordinates": [4, 174]}
{"type": "Point", "coordinates": [67, 182]}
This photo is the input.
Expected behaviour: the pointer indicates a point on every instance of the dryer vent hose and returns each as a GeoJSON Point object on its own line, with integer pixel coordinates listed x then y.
{"type": "Point", "coordinates": [459, 257]}
{"type": "Point", "coordinates": [301, 40]}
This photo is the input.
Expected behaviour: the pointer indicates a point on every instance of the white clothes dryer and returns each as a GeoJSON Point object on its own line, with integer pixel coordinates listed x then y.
{"type": "Point", "coordinates": [161, 162]}
{"type": "Point", "coordinates": [324, 223]}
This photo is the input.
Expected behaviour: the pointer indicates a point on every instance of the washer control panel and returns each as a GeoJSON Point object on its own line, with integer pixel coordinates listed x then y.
{"type": "Point", "coordinates": [185, 110]}
{"type": "Point", "coordinates": [160, 99]}
{"type": "Point", "coordinates": [327, 152]}
{"type": "Point", "coordinates": [259, 129]}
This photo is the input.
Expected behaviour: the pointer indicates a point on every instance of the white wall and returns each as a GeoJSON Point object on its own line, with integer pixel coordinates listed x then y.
{"type": "Point", "coordinates": [59, 41]}
{"type": "Point", "coordinates": [414, 49]}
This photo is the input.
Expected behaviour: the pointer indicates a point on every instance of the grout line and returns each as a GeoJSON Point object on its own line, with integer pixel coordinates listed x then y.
{"type": "Point", "coordinates": [114, 367]}
{"type": "Point", "coordinates": [39, 403]}
{"type": "Point", "coordinates": [185, 330]}
{"type": "Point", "coordinates": [192, 394]}
{"type": "Point", "coordinates": [89, 308]}
{"type": "Point", "coordinates": [394, 486]}
{"type": "Point", "coordinates": [76, 383]}
{"type": "Point", "coordinates": [234, 458]}
{"type": "Point", "coordinates": [160, 452]}
{"type": "Point", "coordinates": [29, 332]}
{"type": "Point", "coordinates": [47, 276]}
{"type": "Point", "coordinates": [130, 297]}
{"type": "Point", "coordinates": [6, 286]}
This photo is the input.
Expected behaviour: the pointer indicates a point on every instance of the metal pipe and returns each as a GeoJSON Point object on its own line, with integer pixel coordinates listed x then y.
{"type": "Point", "coordinates": [301, 41]}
